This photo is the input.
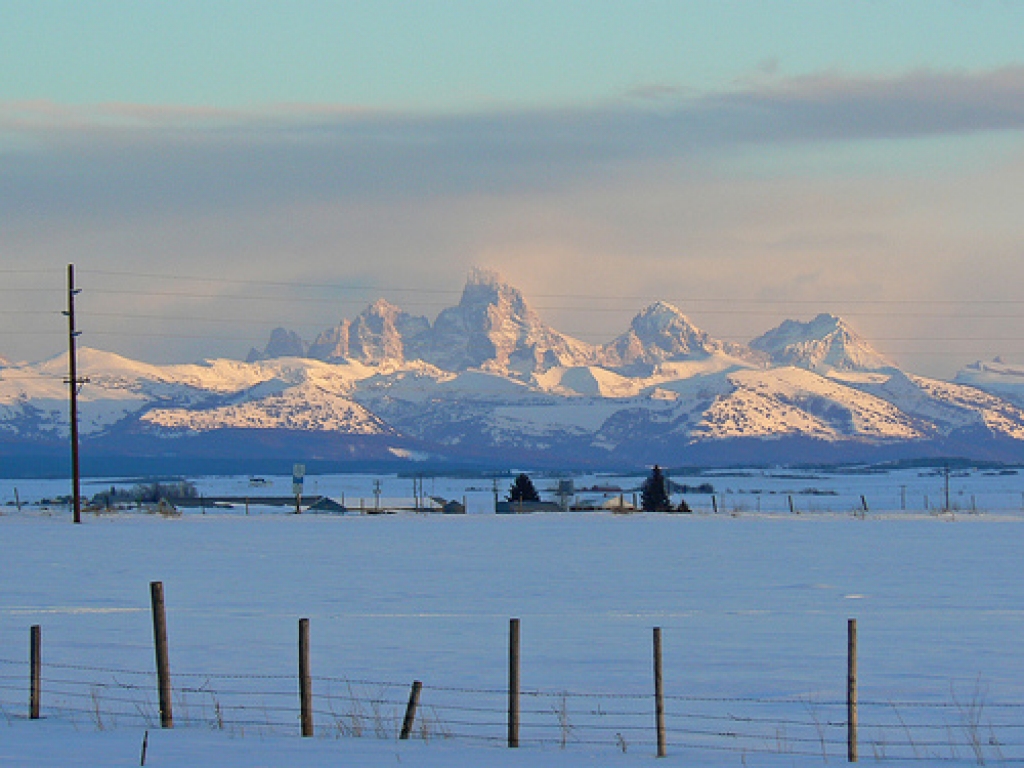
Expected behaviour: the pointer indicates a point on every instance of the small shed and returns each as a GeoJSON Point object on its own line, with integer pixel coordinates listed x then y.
{"type": "Point", "coordinates": [327, 506]}
{"type": "Point", "coordinates": [453, 508]}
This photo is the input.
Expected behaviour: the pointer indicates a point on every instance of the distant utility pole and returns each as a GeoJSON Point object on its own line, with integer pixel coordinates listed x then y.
{"type": "Point", "coordinates": [74, 383]}
{"type": "Point", "coordinates": [946, 473]}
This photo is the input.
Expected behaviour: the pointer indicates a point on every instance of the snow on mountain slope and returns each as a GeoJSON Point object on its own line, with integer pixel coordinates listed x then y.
{"type": "Point", "coordinates": [591, 381]}
{"type": "Point", "coordinates": [940, 408]}
{"type": "Point", "coordinates": [786, 401]}
{"type": "Point", "coordinates": [824, 343]}
{"type": "Point", "coordinates": [288, 393]}
{"type": "Point", "coordinates": [675, 375]}
{"type": "Point", "coordinates": [999, 378]}
{"type": "Point", "coordinates": [118, 388]}
{"type": "Point", "coordinates": [579, 418]}
{"type": "Point", "coordinates": [307, 406]}
{"type": "Point", "coordinates": [686, 378]}
{"type": "Point", "coordinates": [34, 398]}
{"type": "Point", "coordinates": [974, 406]}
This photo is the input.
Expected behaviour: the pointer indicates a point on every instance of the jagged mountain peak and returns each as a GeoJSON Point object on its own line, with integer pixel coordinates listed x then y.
{"type": "Point", "coordinates": [661, 333]}
{"type": "Point", "coordinates": [282, 343]}
{"type": "Point", "coordinates": [826, 342]}
{"type": "Point", "coordinates": [662, 316]}
{"type": "Point", "coordinates": [381, 332]}
{"type": "Point", "coordinates": [382, 308]}
{"type": "Point", "coordinates": [493, 327]}
{"type": "Point", "coordinates": [487, 288]}
{"type": "Point", "coordinates": [487, 277]}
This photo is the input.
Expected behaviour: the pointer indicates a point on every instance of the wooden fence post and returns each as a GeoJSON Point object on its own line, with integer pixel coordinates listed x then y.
{"type": "Point", "coordinates": [792, 509]}
{"type": "Point", "coordinates": [305, 679]}
{"type": "Point", "coordinates": [35, 674]}
{"type": "Point", "coordinates": [410, 709]}
{"type": "Point", "coordinates": [659, 694]}
{"type": "Point", "coordinates": [851, 691]}
{"type": "Point", "coordinates": [163, 667]}
{"type": "Point", "coordinates": [513, 683]}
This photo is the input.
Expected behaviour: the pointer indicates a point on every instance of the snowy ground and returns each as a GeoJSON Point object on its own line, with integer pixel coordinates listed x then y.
{"type": "Point", "coordinates": [753, 610]}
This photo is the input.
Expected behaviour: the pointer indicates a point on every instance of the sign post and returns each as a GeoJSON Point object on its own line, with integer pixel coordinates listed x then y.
{"type": "Point", "coordinates": [298, 475]}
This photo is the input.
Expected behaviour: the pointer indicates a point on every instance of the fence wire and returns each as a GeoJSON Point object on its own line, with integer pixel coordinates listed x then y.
{"type": "Point", "coordinates": [964, 728]}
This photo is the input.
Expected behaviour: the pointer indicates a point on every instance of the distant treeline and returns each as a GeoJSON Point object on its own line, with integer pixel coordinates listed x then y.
{"type": "Point", "coordinates": [146, 493]}
{"type": "Point", "coordinates": [707, 488]}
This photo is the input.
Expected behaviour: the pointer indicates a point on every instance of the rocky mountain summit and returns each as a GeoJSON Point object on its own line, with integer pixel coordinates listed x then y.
{"type": "Point", "coordinates": [824, 343]}
{"type": "Point", "coordinates": [493, 328]}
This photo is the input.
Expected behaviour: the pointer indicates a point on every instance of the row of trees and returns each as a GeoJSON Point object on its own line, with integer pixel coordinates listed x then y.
{"type": "Point", "coordinates": [146, 493]}
{"type": "Point", "coordinates": [654, 496]}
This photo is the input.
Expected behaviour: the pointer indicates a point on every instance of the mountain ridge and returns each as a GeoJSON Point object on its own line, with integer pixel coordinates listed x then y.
{"type": "Point", "coordinates": [494, 328]}
{"type": "Point", "coordinates": [489, 382]}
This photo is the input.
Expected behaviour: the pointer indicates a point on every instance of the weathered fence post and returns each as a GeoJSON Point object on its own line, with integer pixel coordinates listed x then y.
{"type": "Point", "coordinates": [851, 691]}
{"type": "Point", "coordinates": [163, 667]}
{"type": "Point", "coordinates": [410, 709]}
{"type": "Point", "coordinates": [714, 504]}
{"type": "Point", "coordinates": [792, 509]}
{"type": "Point", "coordinates": [35, 674]}
{"type": "Point", "coordinates": [513, 683]}
{"type": "Point", "coordinates": [659, 694]}
{"type": "Point", "coordinates": [864, 503]}
{"type": "Point", "coordinates": [305, 680]}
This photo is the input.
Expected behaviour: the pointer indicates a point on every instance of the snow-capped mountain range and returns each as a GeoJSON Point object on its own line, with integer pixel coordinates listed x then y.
{"type": "Point", "coordinates": [489, 383]}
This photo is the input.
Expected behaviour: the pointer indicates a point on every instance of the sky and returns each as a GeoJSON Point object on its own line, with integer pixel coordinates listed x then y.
{"type": "Point", "coordinates": [215, 169]}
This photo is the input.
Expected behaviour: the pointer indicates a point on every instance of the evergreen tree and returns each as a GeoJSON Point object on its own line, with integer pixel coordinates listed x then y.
{"type": "Point", "coordinates": [654, 493]}
{"type": "Point", "coordinates": [684, 507]}
{"type": "Point", "coordinates": [522, 490]}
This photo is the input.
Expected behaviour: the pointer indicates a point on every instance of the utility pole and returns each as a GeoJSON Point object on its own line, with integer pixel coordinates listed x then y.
{"type": "Point", "coordinates": [946, 474]}
{"type": "Point", "coordinates": [74, 383]}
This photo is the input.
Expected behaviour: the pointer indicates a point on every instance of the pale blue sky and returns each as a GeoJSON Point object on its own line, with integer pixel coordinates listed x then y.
{"type": "Point", "coordinates": [430, 55]}
{"type": "Point", "coordinates": [748, 161]}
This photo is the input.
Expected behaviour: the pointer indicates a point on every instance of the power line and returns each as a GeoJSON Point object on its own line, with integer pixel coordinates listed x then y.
{"type": "Point", "coordinates": [581, 296]}
{"type": "Point", "coordinates": [755, 313]}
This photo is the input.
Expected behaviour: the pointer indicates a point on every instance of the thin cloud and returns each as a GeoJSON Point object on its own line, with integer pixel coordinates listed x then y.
{"type": "Point", "coordinates": [121, 160]}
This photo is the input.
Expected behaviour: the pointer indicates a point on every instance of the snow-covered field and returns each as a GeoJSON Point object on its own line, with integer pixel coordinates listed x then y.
{"type": "Point", "coordinates": [753, 608]}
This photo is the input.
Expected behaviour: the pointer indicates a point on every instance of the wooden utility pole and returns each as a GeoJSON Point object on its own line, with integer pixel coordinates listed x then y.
{"type": "Point", "coordinates": [74, 383]}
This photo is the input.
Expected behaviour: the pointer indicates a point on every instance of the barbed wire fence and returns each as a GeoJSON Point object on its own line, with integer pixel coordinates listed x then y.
{"type": "Point", "coordinates": [965, 726]}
